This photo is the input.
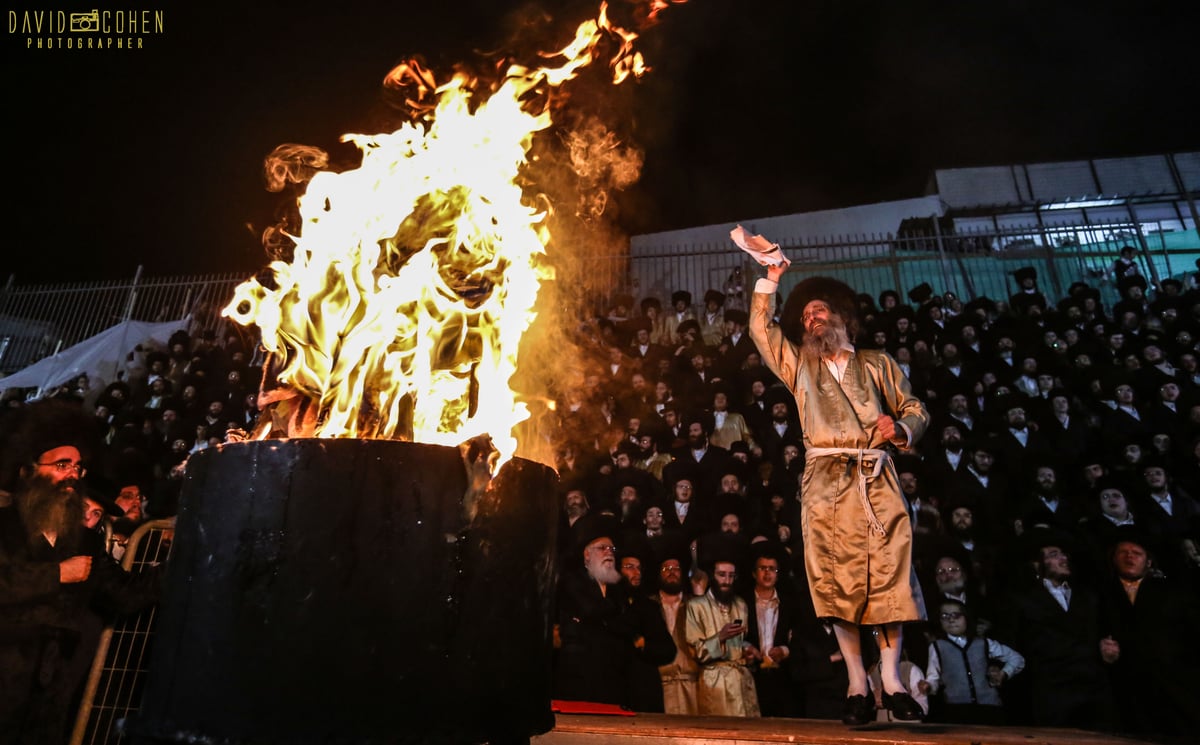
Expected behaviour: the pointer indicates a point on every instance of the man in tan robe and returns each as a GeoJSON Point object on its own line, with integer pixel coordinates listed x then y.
{"type": "Point", "coordinates": [679, 676]}
{"type": "Point", "coordinates": [857, 535]}
{"type": "Point", "coordinates": [716, 631]}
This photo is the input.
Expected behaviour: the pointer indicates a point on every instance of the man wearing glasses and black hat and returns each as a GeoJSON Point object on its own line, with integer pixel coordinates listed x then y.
{"type": "Point", "coordinates": [53, 572]}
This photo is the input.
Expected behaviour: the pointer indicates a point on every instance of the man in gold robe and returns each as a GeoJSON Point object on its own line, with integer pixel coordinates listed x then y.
{"type": "Point", "coordinates": [853, 405]}
{"type": "Point", "coordinates": [716, 631]}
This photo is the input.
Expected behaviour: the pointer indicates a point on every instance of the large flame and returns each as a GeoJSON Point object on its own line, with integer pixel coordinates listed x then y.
{"type": "Point", "coordinates": [415, 275]}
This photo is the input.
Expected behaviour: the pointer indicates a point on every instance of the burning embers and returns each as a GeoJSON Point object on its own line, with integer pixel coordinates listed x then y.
{"type": "Point", "coordinates": [414, 276]}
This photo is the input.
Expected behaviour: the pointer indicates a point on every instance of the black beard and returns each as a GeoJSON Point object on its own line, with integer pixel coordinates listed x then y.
{"type": "Point", "coordinates": [671, 588]}
{"type": "Point", "coordinates": [46, 507]}
{"type": "Point", "coordinates": [698, 443]}
{"type": "Point", "coordinates": [963, 534]}
{"type": "Point", "coordinates": [724, 597]}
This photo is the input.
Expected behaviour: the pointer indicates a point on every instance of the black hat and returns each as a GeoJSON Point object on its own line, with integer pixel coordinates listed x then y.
{"type": "Point", "coordinates": [1134, 280]}
{"type": "Point", "coordinates": [641, 323]}
{"type": "Point", "coordinates": [889, 293]}
{"type": "Point", "coordinates": [836, 293]}
{"type": "Point", "coordinates": [714, 296]}
{"type": "Point", "coordinates": [651, 302]}
{"type": "Point", "coordinates": [681, 296]}
{"type": "Point", "coordinates": [1024, 273]}
{"type": "Point", "coordinates": [1037, 538]}
{"type": "Point", "coordinates": [737, 315]}
{"type": "Point", "coordinates": [920, 293]}
{"type": "Point", "coordinates": [594, 526]}
{"type": "Point", "coordinates": [99, 497]}
{"type": "Point", "coordinates": [777, 394]}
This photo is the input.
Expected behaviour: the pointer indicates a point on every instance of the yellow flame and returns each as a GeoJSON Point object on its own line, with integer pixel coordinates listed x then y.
{"type": "Point", "coordinates": [415, 275]}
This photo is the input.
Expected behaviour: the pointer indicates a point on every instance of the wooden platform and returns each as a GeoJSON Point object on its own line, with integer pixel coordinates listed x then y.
{"type": "Point", "coordinates": [652, 729]}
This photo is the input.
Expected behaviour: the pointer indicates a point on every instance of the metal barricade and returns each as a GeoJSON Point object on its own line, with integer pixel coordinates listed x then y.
{"type": "Point", "coordinates": [113, 689]}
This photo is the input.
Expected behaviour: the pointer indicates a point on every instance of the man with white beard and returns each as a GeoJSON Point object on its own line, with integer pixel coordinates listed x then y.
{"type": "Point", "coordinates": [598, 632]}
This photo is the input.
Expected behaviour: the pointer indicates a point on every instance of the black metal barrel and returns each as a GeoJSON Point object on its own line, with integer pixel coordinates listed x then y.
{"type": "Point", "coordinates": [341, 591]}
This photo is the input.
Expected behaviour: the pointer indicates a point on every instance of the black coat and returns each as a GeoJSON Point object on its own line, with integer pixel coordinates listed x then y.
{"type": "Point", "coordinates": [1155, 674]}
{"type": "Point", "coordinates": [598, 633]}
{"type": "Point", "coordinates": [1066, 676]}
{"type": "Point", "coordinates": [47, 628]}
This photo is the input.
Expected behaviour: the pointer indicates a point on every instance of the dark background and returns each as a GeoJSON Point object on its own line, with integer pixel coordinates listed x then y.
{"type": "Point", "coordinates": [118, 158]}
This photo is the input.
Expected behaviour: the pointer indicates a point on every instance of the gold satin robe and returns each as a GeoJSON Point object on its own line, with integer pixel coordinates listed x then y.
{"type": "Point", "coordinates": [726, 685]}
{"type": "Point", "coordinates": [680, 675]}
{"type": "Point", "coordinates": [854, 573]}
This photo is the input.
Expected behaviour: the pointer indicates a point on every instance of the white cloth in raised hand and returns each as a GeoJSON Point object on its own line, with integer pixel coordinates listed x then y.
{"type": "Point", "coordinates": [763, 251]}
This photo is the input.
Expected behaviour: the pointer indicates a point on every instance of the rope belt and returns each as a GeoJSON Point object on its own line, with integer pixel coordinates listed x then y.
{"type": "Point", "coordinates": [856, 456]}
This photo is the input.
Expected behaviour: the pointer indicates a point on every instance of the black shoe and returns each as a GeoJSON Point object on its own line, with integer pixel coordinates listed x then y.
{"type": "Point", "coordinates": [902, 706]}
{"type": "Point", "coordinates": [859, 710]}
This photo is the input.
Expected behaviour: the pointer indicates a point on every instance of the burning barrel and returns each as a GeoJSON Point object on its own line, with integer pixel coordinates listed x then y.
{"type": "Point", "coordinates": [348, 591]}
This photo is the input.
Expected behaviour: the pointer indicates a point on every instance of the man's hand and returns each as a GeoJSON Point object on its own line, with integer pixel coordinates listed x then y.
{"type": "Point", "coordinates": [1110, 650]}
{"type": "Point", "coordinates": [74, 569]}
{"type": "Point", "coordinates": [923, 687]}
{"type": "Point", "coordinates": [730, 630]}
{"type": "Point", "coordinates": [751, 653]}
{"type": "Point", "coordinates": [777, 654]}
{"type": "Point", "coordinates": [886, 426]}
{"type": "Point", "coordinates": [775, 272]}
{"type": "Point", "coordinates": [996, 677]}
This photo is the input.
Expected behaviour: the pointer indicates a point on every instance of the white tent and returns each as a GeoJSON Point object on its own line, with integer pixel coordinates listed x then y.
{"type": "Point", "coordinates": [101, 357]}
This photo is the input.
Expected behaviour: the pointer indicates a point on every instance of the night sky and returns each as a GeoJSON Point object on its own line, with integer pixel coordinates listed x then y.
{"type": "Point", "coordinates": [153, 156]}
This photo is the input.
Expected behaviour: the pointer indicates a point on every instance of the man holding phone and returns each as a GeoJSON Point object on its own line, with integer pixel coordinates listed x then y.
{"type": "Point", "coordinates": [716, 629]}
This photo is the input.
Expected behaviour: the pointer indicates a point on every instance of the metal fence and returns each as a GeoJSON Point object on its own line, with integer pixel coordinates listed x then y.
{"type": "Point", "coordinates": [968, 263]}
{"type": "Point", "coordinates": [114, 686]}
{"type": "Point", "coordinates": [41, 320]}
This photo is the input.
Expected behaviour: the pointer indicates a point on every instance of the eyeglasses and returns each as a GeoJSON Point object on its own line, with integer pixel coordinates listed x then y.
{"type": "Point", "coordinates": [952, 616]}
{"type": "Point", "coordinates": [66, 466]}
{"type": "Point", "coordinates": [609, 549]}
{"type": "Point", "coordinates": [948, 570]}
{"type": "Point", "coordinates": [772, 570]}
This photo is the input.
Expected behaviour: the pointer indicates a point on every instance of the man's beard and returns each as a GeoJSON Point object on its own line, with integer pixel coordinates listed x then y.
{"type": "Point", "coordinates": [671, 588]}
{"type": "Point", "coordinates": [46, 507]}
{"type": "Point", "coordinates": [576, 510]}
{"type": "Point", "coordinates": [829, 339]}
{"type": "Point", "coordinates": [699, 442]}
{"type": "Point", "coordinates": [602, 572]}
{"type": "Point", "coordinates": [724, 597]}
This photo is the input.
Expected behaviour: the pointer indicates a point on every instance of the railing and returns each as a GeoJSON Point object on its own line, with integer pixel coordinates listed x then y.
{"type": "Point", "coordinates": [114, 687]}
{"type": "Point", "coordinates": [41, 320]}
{"type": "Point", "coordinates": [968, 263]}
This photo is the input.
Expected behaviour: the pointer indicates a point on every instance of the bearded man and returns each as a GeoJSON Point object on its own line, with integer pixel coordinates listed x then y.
{"type": "Point", "coordinates": [716, 631]}
{"type": "Point", "coordinates": [54, 575]}
{"type": "Point", "coordinates": [597, 629]}
{"type": "Point", "coordinates": [857, 535]}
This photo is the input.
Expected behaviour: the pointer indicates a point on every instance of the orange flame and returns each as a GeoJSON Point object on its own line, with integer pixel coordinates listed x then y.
{"type": "Point", "coordinates": [415, 275]}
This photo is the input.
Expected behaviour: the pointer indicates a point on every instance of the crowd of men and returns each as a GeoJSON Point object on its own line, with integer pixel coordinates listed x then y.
{"type": "Point", "coordinates": [1055, 532]}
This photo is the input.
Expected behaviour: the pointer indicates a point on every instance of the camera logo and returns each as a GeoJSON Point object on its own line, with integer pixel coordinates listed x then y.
{"type": "Point", "coordinates": [86, 22]}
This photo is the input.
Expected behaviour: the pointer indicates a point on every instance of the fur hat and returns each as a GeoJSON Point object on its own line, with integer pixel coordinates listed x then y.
{"type": "Point", "coordinates": [714, 296]}
{"type": "Point", "coordinates": [1024, 273]}
{"type": "Point", "coordinates": [681, 296]}
{"type": "Point", "coordinates": [920, 293]}
{"type": "Point", "coordinates": [839, 296]}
